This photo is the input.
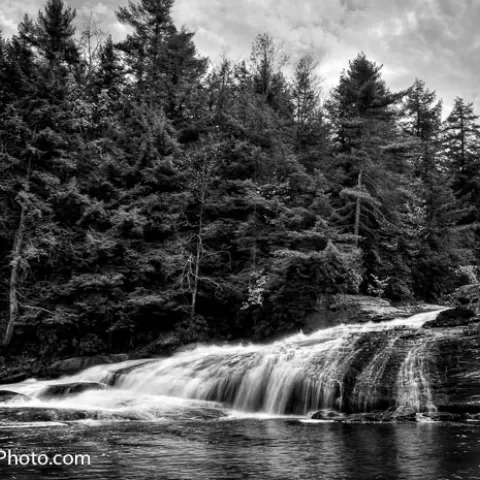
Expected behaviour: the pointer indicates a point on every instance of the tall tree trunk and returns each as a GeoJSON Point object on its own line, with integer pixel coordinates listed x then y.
{"type": "Point", "coordinates": [357, 210]}
{"type": "Point", "coordinates": [196, 275]}
{"type": "Point", "coordinates": [16, 269]}
{"type": "Point", "coordinates": [199, 244]}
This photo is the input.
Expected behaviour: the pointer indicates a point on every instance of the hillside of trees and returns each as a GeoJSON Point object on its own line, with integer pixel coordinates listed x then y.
{"type": "Point", "coordinates": [145, 190]}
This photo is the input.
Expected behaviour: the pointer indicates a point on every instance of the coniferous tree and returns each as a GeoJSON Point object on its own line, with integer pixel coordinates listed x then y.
{"type": "Point", "coordinates": [439, 245]}
{"type": "Point", "coordinates": [152, 26]}
{"type": "Point", "coordinates": [52, 37]}
{"type": "Point", "coordinates": [140, 195]}
{"type": "Point", "coordinates": [312, 132]}
{"type": "Point", "coordinates": [369, 171]}
{"type": "Point", "coordinates": [461, 140]}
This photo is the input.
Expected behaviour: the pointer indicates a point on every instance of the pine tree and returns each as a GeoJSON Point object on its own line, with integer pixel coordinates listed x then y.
{"type": "Point", "coordinates": [109, 75]}
{"type": "Point", "coordinates": [368, 161]}
{"type": "Point", "coordinates": [438, 244]}
{"type": "Point", "coordinates": [422, 121]}
{"type": "Point", "coordinates": [220, 92]}
{"type": "Point", "coordinates": [312, 132]}
{"type": "Point", "coordinates": [461, 141]}
{"type": "Point", "coordinates": [52, 36]}
{"type": "Point", "coordinates": [152, 26]}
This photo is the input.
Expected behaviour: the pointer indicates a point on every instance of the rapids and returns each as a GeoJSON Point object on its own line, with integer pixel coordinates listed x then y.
{"type": "Point", "coordinates": [348, 368]}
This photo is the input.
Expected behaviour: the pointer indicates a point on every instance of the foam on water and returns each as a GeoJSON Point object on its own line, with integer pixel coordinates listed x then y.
{"type": "Point", "coordinates": [338, 368]}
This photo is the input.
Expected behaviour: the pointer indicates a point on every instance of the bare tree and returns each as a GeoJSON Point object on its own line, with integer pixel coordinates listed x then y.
{"type": "Point", "coordinates": [91, 39]}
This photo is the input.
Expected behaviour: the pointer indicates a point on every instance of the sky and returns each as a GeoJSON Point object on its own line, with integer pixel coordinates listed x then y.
{"type": "Point", "coordinates": [437, 41]}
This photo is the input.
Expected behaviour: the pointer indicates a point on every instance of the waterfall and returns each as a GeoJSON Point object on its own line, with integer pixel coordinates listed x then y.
{"type": "Point", "coordinates": [350, 368]}
{"type": "Point", "coordinates": [413, 386]}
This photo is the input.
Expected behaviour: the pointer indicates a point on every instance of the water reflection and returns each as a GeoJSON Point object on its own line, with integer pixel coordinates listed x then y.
{"type": "Point", "coordinates": [251, 449]}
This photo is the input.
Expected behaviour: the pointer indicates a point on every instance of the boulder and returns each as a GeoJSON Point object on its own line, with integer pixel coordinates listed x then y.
{"type": "Point", "coordinates": [328, 415]}
{"type": "Point", "coordinates": [401, 414]}
{"type": "Point", "coordinates": [8, 396]}
{"type": "Point", "coordinates": [64, 389]}
{"type": "Point", "coordinates": [468, 297]}
{"type": "Point", "coordinates": [113, 376]}
{"type": "Point", "coordinates": [454, 317]}
{"type": "Point", "coordinates": [69, 366]}
{"type": "Point", "coordinates": [14, 378]}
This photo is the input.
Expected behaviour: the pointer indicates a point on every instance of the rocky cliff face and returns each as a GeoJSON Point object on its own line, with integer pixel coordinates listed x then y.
{"type": "Point", "coordinates": [434, 369]}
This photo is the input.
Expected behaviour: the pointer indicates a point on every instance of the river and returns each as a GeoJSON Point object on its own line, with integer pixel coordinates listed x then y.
{"type": "Point", "coordinates": [249, 448]}
{"type": "Point", "coordinates": [245, 411]}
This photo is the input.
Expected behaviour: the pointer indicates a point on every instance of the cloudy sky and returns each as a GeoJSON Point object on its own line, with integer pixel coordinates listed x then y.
{"type": "Point", "coordinates": [435, 40]}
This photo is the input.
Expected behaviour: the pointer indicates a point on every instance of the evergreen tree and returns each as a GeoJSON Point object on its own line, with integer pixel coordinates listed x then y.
{"type": "Point", "coordinates": [152, 25]}
{"type": "Point", "coordinates": [461, 140]}
{"type": "Point", "coordinates": [369, 167]}
{"type": "Point", "coordinates": [439, 244]}
{"type": "Point", "coordinates": [52, 37]}
{"type": "Point", "coordinates": [109, 75]}
{"type": "Point", "coordinates": [312, 131]}
{"type": "Point", "coordinates": [422, 121]}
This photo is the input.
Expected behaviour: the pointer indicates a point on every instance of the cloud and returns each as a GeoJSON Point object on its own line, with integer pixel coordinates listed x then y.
{"type": "Point", "coordinates": [435, 40]}
{"type": "Point", "coordinates": [13, 11]}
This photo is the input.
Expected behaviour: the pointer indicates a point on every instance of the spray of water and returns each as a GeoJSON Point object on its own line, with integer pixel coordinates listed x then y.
{"type": "Point", "coordinates": [346, 368]}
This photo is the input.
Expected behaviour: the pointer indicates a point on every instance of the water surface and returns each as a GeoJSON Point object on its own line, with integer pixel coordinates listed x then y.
{"type": "Point", "coordinates": [244, 448]}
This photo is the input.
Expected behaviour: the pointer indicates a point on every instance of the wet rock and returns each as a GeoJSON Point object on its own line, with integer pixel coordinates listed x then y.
{"type": "Point", "coordinates": [454, 317]}
{"type": "Point", "coordinates": [391, 415]}
{"type": "Point", "coordinates": [62, 390]}
{"type": "Point", "coordinates": [36, 414]}
{"type": "Point", "coordinates": [13, 378]}
{"type": "Point", "coordinates": [8, 396]}
{"type": "Point", "coordinates": [364, 418]}
{"type": "Point", "coordinates": [328, 415]}
{"type": "Point", "coordinates": [70, 366]}
{"type": "Point", "coordinates": [186, 348]}
{"type": "Point", "coordinates": [468, 297]}
{"type": "Point", "coordinates": [164, 345]}
{"type": "Point", "coordinates": [459, 408]}
{"type": "Point", "coordinates": [445, 417]}
{"type": "Point", "coordinates": [401, 414]}
{"type": "Point", "coordinates": [337, 309]}
{"type": "Point", "coordinates": [113, 376]}
{"type": "Point", "coordinates": [202, 414]}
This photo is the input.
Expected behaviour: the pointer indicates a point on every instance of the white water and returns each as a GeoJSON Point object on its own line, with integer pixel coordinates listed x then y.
{"type": "Point", "coordinates": [344, 367]}
{"type": "Point", "coordinates": [413, 389]}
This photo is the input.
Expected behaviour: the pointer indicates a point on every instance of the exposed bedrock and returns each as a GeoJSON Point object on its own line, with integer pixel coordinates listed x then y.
{"type": "Point", "coordinates": [433, 369]}
{"type": "Point", "coordinates": [333, 310]}
{"type": "Point", "coordinates": [64, 389]}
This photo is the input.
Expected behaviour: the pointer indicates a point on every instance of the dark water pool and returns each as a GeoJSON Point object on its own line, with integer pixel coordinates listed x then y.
{"type": "Point", "coordinates": [248, 449]}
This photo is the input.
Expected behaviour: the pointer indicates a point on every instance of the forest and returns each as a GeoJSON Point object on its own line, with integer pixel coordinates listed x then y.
{"type": "Point", "coordinates": [145, 189]}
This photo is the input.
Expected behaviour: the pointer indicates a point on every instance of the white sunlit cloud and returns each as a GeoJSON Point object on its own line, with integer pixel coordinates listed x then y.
{"type": "Point", "coordinates": [435, 40]}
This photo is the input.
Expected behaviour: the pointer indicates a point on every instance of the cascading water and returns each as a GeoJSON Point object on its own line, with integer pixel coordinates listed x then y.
{"type": "Point", "coordinates": [350, 368]}
{"type": "Point", "coordinates": [413, 388]}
